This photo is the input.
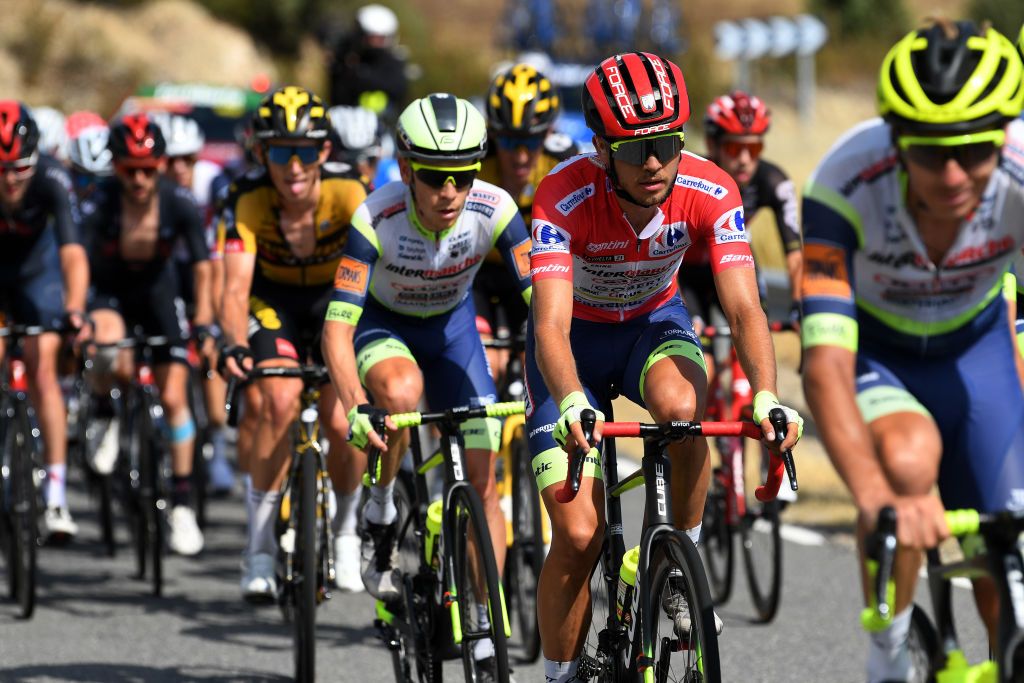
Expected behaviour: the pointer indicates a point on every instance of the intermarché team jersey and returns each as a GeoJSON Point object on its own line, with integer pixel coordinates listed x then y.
{"type": "Point", "coordinates": [580, 234]}
{"type": "Point", "coordinates": [417, 272]}
{"type": "Point", "coordinates": [867, 275]}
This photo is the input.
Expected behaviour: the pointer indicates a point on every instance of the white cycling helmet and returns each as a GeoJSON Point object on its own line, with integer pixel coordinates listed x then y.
{"type": "Point", "coordinates": [182, 134]}
{"type": "Point", "coordinates": [377, 20]}
{"type": "Point", "coordinates": [88, 151]}
{"type": "Point", "coordinates": [53, 137]}
{"type": "Point", "coordinates": [358, 130]}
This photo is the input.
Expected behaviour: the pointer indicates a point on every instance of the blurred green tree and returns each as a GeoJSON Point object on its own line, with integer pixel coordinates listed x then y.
{"type": "Point", "coordinates": [1006, 15]}
{"type": "Point", "coordinates": [885, 20]}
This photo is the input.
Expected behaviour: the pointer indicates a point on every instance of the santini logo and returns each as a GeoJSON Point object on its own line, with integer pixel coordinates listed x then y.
{"type": "Point", "coordinates": [701, 185]}
{"type": "Point", "coordinates": [574, 199]}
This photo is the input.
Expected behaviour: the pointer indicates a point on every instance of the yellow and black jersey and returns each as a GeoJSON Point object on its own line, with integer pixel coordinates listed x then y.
{"type": "Point", "coordinates": [491, 173]}
{"type": "Point", "coordinates": [250, 223]}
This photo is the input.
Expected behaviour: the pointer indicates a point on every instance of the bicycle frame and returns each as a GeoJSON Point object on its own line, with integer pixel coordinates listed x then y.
{"type": "Point", "coordinates": [991, 547]}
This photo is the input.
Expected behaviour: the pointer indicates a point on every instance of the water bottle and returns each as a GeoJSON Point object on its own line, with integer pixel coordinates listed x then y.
{"type": "Point", "coordinates": [433, 529]}
{"type": "Point", "coordinates": [627, 583]}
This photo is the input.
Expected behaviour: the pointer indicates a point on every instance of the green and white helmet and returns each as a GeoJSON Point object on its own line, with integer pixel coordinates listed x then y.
{"type": "Point", "coordinates": [442, 128]}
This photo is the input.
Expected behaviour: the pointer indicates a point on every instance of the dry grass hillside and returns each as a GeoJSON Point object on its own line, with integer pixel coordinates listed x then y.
{"type": "Point", "coordinates": [85, 56]}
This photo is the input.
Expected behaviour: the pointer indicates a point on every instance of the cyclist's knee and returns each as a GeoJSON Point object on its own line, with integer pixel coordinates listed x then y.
{"type": "Point", "coordinates": [398, 392]}
{"type": "Point", "coordinates": [279, 401]}
{"type": "Point", "coordinates": [480, 471]}
{"type": "Point", "coordinates": [911, 458]}
{"type": "Point", "coordinates": [577, 538]}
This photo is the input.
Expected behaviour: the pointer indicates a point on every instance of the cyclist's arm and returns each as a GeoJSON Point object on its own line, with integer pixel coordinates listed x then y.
{"type": "Point", "coordinates": [829, 334]}
{"type": "Point", "coordinates": [351, 286]}
{"type": "Point", "coordinates": [737, 290]}
{"type": "Point", "coordinates": [552, 318]}
{"type": "Point", "coordinates": [783, 200]}
{"type": "Point", "coordinates": [190, 227]}
{"type": "Point", "coordinates": [513, 242]}
{"type": "Point", "coordinates": [74, 263]}
{"type": "Point", "coordinates": [239, 266]}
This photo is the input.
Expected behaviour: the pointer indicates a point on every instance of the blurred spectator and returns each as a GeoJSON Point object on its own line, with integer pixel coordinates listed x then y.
{"type": "Point", "coordinates": [367, 70]}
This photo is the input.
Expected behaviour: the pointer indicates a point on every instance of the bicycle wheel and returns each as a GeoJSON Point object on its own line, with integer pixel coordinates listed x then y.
{"type": "Point", "coordinates": [716, 537]}
{"type": "Point", "coordinates": [678, 583]}
{"type": "Point", "coordinates": [304, 623]}
{"type": "Point", "coordinates": [22, 513]}
{"type": "Point", "coordinates": [151, 501]}
{"type": "Point", "coordinates": [762, 554]}
{"type": "Point", "coordinates": [606, 648]}
{"type": "Point", "coordinates": [526, 555]}
{"type": "Point", "coordinates": [477, 588]}
{"type": "Point", "coordinates": [925, 649]}
{"type": "Point", "coordinates": [201, 446]}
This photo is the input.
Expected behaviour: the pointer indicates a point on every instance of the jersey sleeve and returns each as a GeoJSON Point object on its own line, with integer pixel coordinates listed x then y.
{"type": "Point", "coordinates": [781, 197]}
{"type": "Point", "coordinates": [352, 279]}
{"type": "Point", "coordinates": [235, 218]}
{"type": "Point", "coordinates": [723, 226]}
{"type": "Point", "coordinates": [827, 286]}
{"type": "Point", "coordinates": [550, 240]}
{"type": "Point", "coordinates": [513, 243]}
{"type": "Point", "coordinates": [63, 206]}
{"type": "Point", "coordinates": [190, 225]}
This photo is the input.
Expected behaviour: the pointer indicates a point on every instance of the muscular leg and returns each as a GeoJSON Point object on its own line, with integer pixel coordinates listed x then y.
{"type": "Point", "coordinates": [480, 469]}
{"type": "Point", "coordinates": [271, 452]}
{"type": "Point", "coordinates": [44, 391]}
{"type": "Point", "coordinates": [675, 388]}
{"type": "Point", "coordinates": [563, 590]}
{"type": "Point", "coordinates": [396, 385]}
{"type": "Point", "coordinates": [248, 425]}
{"type": "Point", "coordinates": [172, 379]}
{"type": "Point", "coordinates": [909, 447]}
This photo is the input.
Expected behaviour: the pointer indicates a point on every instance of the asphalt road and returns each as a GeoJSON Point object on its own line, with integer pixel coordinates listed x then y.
{"type": "Point", "coordinates": [95, 622]}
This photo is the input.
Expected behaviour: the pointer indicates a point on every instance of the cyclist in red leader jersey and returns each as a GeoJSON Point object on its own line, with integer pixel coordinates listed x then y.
{"type": "Point", "coordinates": [609, 231]}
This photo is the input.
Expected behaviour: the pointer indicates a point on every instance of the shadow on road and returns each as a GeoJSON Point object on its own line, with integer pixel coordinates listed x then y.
{"type": "Point", "coordinates": [129, 673]}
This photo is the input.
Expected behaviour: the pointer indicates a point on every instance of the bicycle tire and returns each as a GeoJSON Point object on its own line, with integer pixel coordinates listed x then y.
{"type": "Point", "coordinates": [760, 533]}
{"type": "Point", "coordinates": [465, 518]}
{"type": "Point", "coordinates": [612, 666]}
{"type": "Point", "coordinates": [717, 541]}
{"type": "Point", "coordinates": [200, 445]}
{"type": "Point", "coordinates": [525, 557]}
{"type": "Point", "coordinates": [676, 569]}
{"type": "Point", "coordinates": [23, 513]}
{"type": "Point", "coordinates": [924, 647]}
{"type": "Point", "coordinates": [152, 503]}
{"type": "Point", "coordinates": [306, 570]}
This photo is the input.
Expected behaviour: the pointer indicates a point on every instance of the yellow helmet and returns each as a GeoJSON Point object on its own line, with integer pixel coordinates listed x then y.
{"type": "Point", "coordinates": [951, 77]}
{"type": "Point", "coordinates": [289, 113]}
{"type": "Point", "coordinates": [521, 101]}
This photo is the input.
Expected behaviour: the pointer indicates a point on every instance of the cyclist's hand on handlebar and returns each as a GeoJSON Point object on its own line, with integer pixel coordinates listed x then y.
{"type": "Point", "coordinates": [79, 326]}
{"type": "Point", "coordinates": [568, 432]}
{"type": "Point", "coordinates": [360, 427]}
{"type": "Point", "coordinates": [236, 361]}
{"type": "Point", "coordinates": [764, 401]}
{"type": "Point", "coordinates": [920, 520]}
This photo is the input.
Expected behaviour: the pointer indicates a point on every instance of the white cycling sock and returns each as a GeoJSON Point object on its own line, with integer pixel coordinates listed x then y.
{"type": "Point", "coordinates": [888, 655]}
{"type": "Point", "coordinates": [560, 672]}
{"type": "Point", "coordinates": [482, 649]}
{"type": "Point", "coordinates": [346, 517]}
{"type": "Point", "coordinates": [262, 509]}
{"type": "Point", "coordinates": [381, 507]}
{"type": "Point", "coordinates": [694, 533]}
{"type": "Point", "coordinates": [55, 490]}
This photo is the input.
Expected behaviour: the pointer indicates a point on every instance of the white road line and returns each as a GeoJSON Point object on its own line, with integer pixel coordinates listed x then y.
{"type": "Point", "coordinates": [801, 535]}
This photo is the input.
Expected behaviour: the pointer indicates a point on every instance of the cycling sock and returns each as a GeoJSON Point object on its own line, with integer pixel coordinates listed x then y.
{"type": "Point", "coordinates": [560, 672]}
{"type": "Point", "coordinates": [217, 439]}
{"type": "Point", "coordinates": [694, 533]}
{"type": "Point", "coordinates": [55, 490]}
{"type": "Point", "coordinates": [345, 519]}
{"type": "Point", "coordinates": [888, 655]}
{"type": "Point", "coordinates": [181, 489]}
{"type": "Point", "coordinates": [262, 508]}
{"type": "Point", "coordinates": [483, 648]}
{"type": "Point", "coordinates": [381, 507]}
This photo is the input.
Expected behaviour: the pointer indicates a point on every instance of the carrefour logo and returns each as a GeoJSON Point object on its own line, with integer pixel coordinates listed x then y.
{"type": "Point", "coordinates": [731, 227]}
{"type": "Point", "coordinates": [547, 237]}
{"type": "Point", "coordinates": [673, 237]}
{"type": "Point", "coordinates": [573, 199]}
{"type": "Point", "coordinates": [702, 185]}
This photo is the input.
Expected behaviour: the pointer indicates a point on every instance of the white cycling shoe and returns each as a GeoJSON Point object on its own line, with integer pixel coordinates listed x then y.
{"type": "Point", "coordinates": [259, 580]}
{"type": "Point", "coordinates": [185, 537]}
{"type": "Point", "coordinates": [346, 564]}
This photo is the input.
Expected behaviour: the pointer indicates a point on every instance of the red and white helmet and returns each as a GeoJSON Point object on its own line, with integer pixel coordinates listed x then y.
{"type": "Point", "coordinates": [737, 113]}
{"type": "Point", "coordinates": [633, 94]}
